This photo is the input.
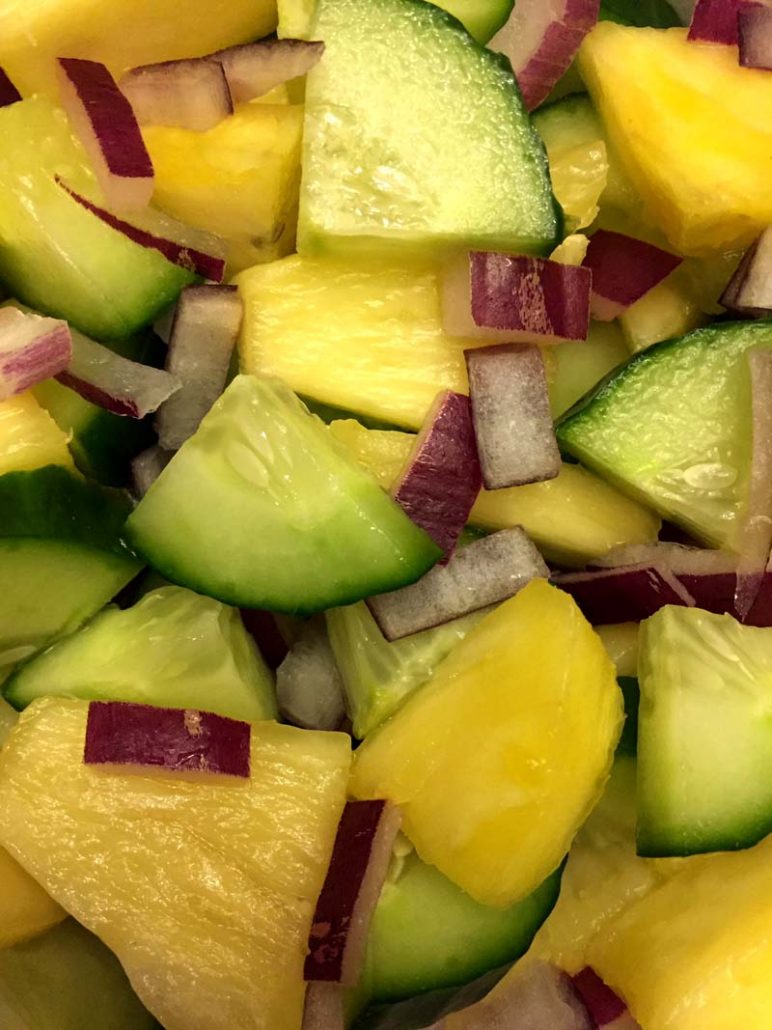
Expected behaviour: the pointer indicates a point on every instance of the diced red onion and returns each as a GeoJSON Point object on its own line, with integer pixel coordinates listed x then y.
{"type": "Point", "coordinates": [325, 1007]}
{"type": "Point", "coordinates": [508, 299]}
{"type": "Point", "coordinates": [754, 31]}
{"type": "Point", "coordinates": [254, 69]}
{"type": "Point", "coordinates": [113, 382]}
{"type": "Point", "coordinates": [180, 740]}
{"type": "Point", "coordinates": [309, 688]}
{"type": "Point", "coordinates": [483, 573]}
{"type": "Point", "coordinates": [512, 418]}
{"type": "Point", "coordinates": [147, 467]}
{"type": "Point", "coordinates": [197, 251]}
{"type": "Point", "coordinates": [749, 291]}
{"type": "Point", "coordinates": [104, 121]}
{"type": "Point", "coordinates": [191, 94]}
{"type": "Point", "coordinates": [264, 630]}
{"type": "Point", "coordinates": [32, 348]}
{"type": "Point", "coordinates": [203, 335]}
{"type": "Point", "coordinates": [442, 479]}
{"type": "Point", "coordinates": [715, 21]}
{"type": "Point", "coordinates": [541, 39]}
{"type": "Point", "coordinates": [601, 1002]}
{"type": "Point", "coordinates": [358, 867]}
{"type": "Point", "coordinates": [628, 593]}
{"type": "Point", "coordinates": [623, 270]}
{"type": "Point", "coordinates": [9, 94]}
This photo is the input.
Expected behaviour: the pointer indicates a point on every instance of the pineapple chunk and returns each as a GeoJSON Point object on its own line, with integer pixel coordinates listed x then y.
{"type": "Point", "coordinates": [204, 890]}
{"type": "Point", "coordinates": [239, 180]}
{"type": "Point", "coordinates": [121, 33]}
{"type": "Point", "coordinates": [29, 437]}
{"type": "Point", "coordinates": [25, 908]}
{"type": "Point", "coordinates": [695, 953]}
{"type": "Point", "coordinates": [692, 128]}
{"type": "Point", "coordinates": [498, 760]}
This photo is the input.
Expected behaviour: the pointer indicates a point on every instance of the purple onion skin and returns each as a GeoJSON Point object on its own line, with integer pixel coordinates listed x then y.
{"type": "Point", "coordinates": [602, 1003]}
{"type": "Point", "coordinates": [40, 359]}
{"type": "Point", "coordinates": [623, 270]}
{"type": "Point", "coordinates": [754, 31]}
{"type": "Point", "coordinates": [716, 21]}
{"type": "Point", "coordinates": [88, 391]}
{"type": "Point", "coordinates": [625, 594]}
{"type": "Point", "coordinates": [174, 739]}
{"type": "Point", "coordinates": [261, 626]}
{"type": "Point", "coordinates": [9, 94]}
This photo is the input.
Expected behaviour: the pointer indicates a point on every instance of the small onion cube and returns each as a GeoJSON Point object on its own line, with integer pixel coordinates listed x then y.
{"type": "Point", "coordinates": [602, 1003]}
{"type": "Point", "coordinates": [190, 94]}
{"type": "Point", "coordinates": [179, 740]}
{"type": "Point", "coordinates": [324, 1007]}
{"type": "Point", "coordinates": [541, 39]}
{"type": "Point", "coordinates": [32, 348]}
{"type": "Point", "coordinates": [358, 867]}
{"type": "Point", "coordinates": [146, 467]}
{"type": "Point", "coordinates": [629, 593]}
{"type": "Point", "coordinates": [623, 270]}
{"type": "Point", "coordinates": [512, 418]}
{"type": "Point", "coordinates": [509, 299]}
{"type": "Point", "coordinates": [749, 291]}
{"type": "Point", "coordinates": [754, 30]}
{"type": "Point", "coordinates": [104, 121]}
{"type": "Point", "coordinates": [203, 335]}
{"type": "Point", "coordinates": [442, 479]}
{"type": "Point", "coordinates": [254, 69]}
{"type": "Point", "coordinates": [716, 21]}
{"type": "Point", "coordinates": [483, 573]}
{"type": "Point", "coordinates": [208, 262]}
{"type": "Point", "coordinates": [309, 688]}
{"type": "Point", "coordinates": [9, 94]}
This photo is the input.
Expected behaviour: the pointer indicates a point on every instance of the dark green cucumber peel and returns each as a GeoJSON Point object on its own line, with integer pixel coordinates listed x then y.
{"type": "Point", "coordinates": [657, 14]}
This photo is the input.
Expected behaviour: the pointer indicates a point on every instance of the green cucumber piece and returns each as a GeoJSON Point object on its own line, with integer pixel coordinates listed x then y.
{"type": "Point", "coordinates": [672, 428]}
{"type": "Point", "coordinates": [397, 161]}
{"type": "Point", "coordinates": [628, 742]}
{"type": "Point", "coordinates": [426, 933]}
{"type": "Point", "coordinates": [657, 14]}
{"type": "Point", "coordinates": [377, 675]}
{"type": "Point", "coordinates": [54, 254]}
{"type": "Point", "coordinates": [262, 508]}
{"type": "Point", "coordinates": [704, 733]}
{"type": "Point", "coordinates": [174, 649]}
{"type": "Point", "coordinates": [67, 980]}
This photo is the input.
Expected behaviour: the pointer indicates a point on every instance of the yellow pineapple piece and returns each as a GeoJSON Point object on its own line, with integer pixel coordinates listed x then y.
{"type": "Point", "coordinates": [29, 437]}
{"type": "Point", "coordinates": [121, 33]}
{"type": "Point", "coordinates": [667, 311]}
{"type": "Point", "coordinates": [695, 953]}
{"type": "Point", "coordinates": [499, 759]}
{"type": "Point", "coordinates": [204, 890]}
{"type": "Point", "coordinates": [239, 180]}
{"type": "Point", "coordinates": [573, 518]}
{"type": "Point", "coordinates": [692, 128]}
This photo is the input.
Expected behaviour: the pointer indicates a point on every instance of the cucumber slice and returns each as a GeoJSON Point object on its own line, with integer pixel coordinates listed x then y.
{"type": "Point", "coordinates": [378, 675]}
{"type": "Point", "coordinates": [416, 140]}
{"type": "Point", "coordinates": [704, 733]}
{"type": "Point", "coordinates": [262, 508]}
{"type": "Point", "coordinates": [174, 649]}
{"type": "Point", "coordinates": [655, 13]}
{"type": "Point", "coordinates": [56, 256]}
{"type": "Point", "coordinates": [672, 428]}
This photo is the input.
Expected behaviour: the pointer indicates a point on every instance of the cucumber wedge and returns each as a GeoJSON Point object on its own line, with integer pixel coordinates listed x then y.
{"type": "Point", "coordinates": [417, 140]}
{"type": "Point", "coordinates": [262, 508]}
{"type": "Point", "coordinates": [672, 428]}
{"type": "Point", "coordinates": [704, 733]}
{"type": "Point", "coordinates": [174, 648]}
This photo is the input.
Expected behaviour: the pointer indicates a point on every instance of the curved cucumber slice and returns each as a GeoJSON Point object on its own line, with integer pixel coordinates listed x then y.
{"type": "Point", "coordinates": [262, 508]}
{"type": "Point", "coordinates": [672, 428]}
{"type": "Point", "coordinates": [704, 733]}
{"type": "Point", "coordinates": [396, 159]}
{"type": "Point", "coordinates": [174, 648]}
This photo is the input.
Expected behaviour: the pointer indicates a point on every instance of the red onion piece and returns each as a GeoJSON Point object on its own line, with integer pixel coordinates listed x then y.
{"type": "Point", "coordinates": [206, 323]}
{"type": "Point", "coordinates": [541, 39]}
{"type": "Point", "coordinates": [623, 270]}
{"type": "Point", "coordinates": [309, 687]}
{"type": "Point", "coordinates": [191, 94]}
{"type": "Point", "coordinates": [442, 479]}
{"type": "Point", "coordinates": [113, 382]}
{"type": "Point", "coordinates": [103, 120]}
{"type": "Point", "coordinates": [254, 69]}
{"type": "Point", "coordinates": [749, 291]}
{"type": "Point", "coordinates": [146, 467]}
{"type": "Point", "coordinates": [197, 251]}
{"type": "Point", "coordinates": [512, 418]}
{"type": "Point", "coordinates": [602, 1003]}
{"type": "Point", "coordinates": [9, 94]}
{"type": "Point", "coordinates": [629, 593]}
{"type": "Point", "coordinates": [754, 31]}
{"type": "Point", "coordinates": [325, 1007]}
{"type": "Point", "coordinates": [266, 633]}
{"type": "Point", "coordinates": [358, 867]}
{"type": "Point", "coordinates": [32, 348]}
{"type": "Point", "coordinates": [483, 573]}
{"type": "Point", "coordinates": [180, 740]}
{"type": "Point", "coordinates": [715, 21]}
{"type": "Point", "coordinates": [508, 299]}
